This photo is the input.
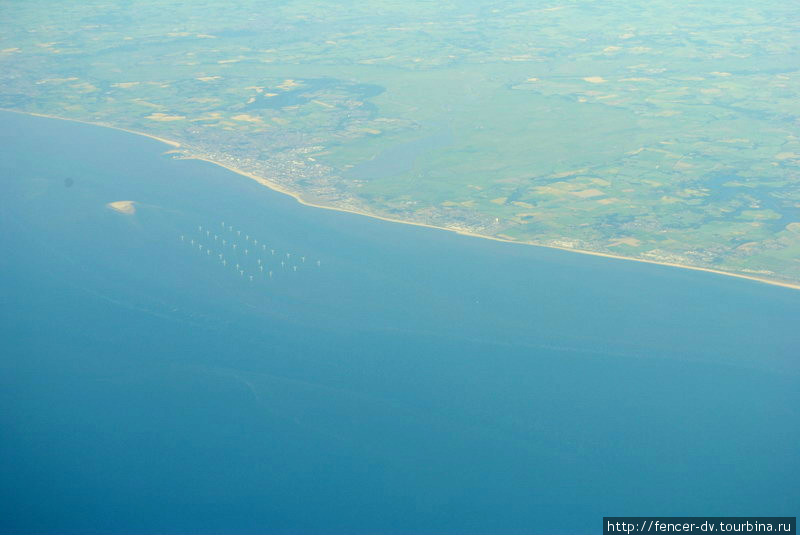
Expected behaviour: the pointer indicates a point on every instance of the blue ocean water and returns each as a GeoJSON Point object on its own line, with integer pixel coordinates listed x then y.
{"type": "Point", "coordinates": [415, 381]}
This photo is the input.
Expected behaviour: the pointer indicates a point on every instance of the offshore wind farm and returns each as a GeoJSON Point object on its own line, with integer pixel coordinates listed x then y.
{"type": "Point", "coordinates": [259, 264]}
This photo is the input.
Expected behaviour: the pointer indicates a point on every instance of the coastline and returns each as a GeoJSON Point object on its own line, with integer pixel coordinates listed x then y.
{"type": "Point", "coordinates": [281, 189]}
{"type": "Point", "coordinates": [44, 115]}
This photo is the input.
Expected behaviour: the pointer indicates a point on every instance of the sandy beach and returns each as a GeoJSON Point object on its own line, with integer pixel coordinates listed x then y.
{"type": "Point", "coordinates": [277, 187]}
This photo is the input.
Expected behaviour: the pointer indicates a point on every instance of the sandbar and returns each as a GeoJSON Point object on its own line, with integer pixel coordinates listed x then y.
{"type": "Point", "coordinates": [123, 207]}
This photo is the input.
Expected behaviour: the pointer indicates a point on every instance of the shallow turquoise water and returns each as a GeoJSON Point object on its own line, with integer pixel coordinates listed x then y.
{"type": "Point", "coordinates": [415, 381]}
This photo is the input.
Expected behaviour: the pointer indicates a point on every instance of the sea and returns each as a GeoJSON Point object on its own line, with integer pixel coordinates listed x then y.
{"type": "Point", "coordinates": [346, 374]}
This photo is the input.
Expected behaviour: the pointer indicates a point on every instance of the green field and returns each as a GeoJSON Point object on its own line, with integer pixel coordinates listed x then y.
{"type": "Point", "coordinates": [660, 130]}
